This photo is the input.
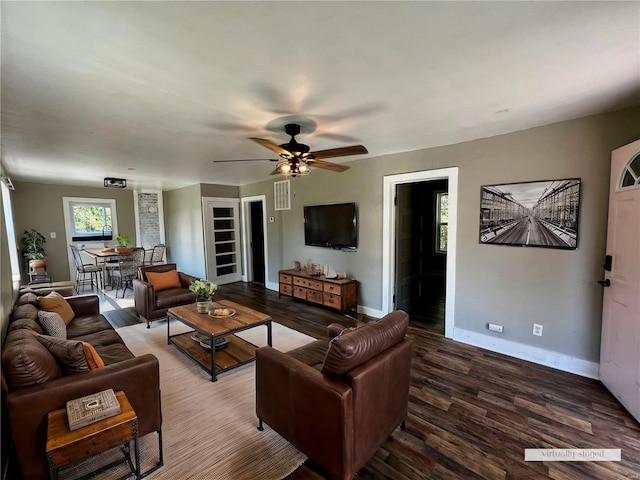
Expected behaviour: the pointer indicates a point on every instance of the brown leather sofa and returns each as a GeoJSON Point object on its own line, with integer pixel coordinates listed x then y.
{"type": "Point", "coordinates": [34, 384]}
{"type": "Point", "coordinates": [337, 400]}
{"type": "Point", "coordinates": [152, 304]}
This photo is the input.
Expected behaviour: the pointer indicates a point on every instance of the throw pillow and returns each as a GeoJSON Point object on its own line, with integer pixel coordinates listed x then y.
{"type": "Point", "coordinates": [54, 302]}
{"type": "Point", "coordinates": [164, 280]}
{"type": "Point", "coordinates": [52, 324]}
{"type": "Point", "coordinates": [93, 359]}
{"type": "Point", "coordinates": [69, 354]}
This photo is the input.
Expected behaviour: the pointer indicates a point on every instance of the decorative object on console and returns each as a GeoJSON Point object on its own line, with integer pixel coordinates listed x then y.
{"type": "Point", "coordinates": [296, 265]}
{"type": "Point", "coordinates": [204, 291]}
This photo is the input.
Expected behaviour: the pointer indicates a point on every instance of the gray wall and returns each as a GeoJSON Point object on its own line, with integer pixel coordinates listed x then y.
{"type": "Point", "coordinates": [184, 229]}
{"type": "Point", "coordinates": [39, 206]}
{"type": "Point", "coordinates": [512, 286]}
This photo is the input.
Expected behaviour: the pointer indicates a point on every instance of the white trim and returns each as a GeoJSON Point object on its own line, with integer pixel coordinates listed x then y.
{"type": "Point", "coordinates": [529, 353]}
{"type": "Point", "coordinates": [209, 243]}
{"type": "Point", "coordinates": [66, 201]}
{"type": "Point", "coordinates": [370, 312]}
{"type": "Point", "coordinates": [247, 274]}
{"type": "Point", "coordinates": [273, 286]}
{"type": "Point", "coordinates": [389, 234]}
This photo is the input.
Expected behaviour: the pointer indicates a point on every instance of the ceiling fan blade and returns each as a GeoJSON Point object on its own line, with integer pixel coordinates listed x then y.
{"type": "Point", "coordinates": [334, 167]}
{"type": "Point", "coordinates": [249, 160]}
{"type": "Point", "coordinates": [271, 146]}
{"type": "Point", "coordinates": [340, 152]}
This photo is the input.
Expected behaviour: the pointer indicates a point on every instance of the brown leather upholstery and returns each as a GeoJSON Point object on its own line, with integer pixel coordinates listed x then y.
{"type": "Point", "coordinates": [152, 305]}
{"type": "Point", "coordinates": [338, 420]}
{"type": "Point", "coordinates": [32, 386]}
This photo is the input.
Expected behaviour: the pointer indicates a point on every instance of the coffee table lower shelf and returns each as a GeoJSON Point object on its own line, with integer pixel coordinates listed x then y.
{"type": "Point", "coordinates": [237, 353]}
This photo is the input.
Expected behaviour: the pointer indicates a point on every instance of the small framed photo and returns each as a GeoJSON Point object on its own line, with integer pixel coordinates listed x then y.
{"type": "Point", "coordinates": [531, 214]}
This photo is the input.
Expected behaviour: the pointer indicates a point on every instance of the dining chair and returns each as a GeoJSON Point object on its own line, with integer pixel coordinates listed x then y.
{"type": "Point", "coordinates": [83, 269]}
{"type": "Point", "coordinates": [156, 255]}
{"type": "Point", "coordinates": [127, 270]}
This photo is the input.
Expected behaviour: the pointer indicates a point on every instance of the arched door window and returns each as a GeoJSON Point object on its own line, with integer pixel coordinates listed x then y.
{"type": "Point", "coordinates": [630, 177]}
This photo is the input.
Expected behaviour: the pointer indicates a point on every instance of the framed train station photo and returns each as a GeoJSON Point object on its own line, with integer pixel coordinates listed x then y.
{"type": "Point", "coordinates": [531, 214]}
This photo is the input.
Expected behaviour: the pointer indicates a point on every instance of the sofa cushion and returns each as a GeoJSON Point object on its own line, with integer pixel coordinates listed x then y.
{"type": "Point", "coordinates": [54, 302]}
{"type": "Point", "coordinates": [25, 311]}
{"type": "Point", "coordinates": [68, 353]}
{"type": "Point", "coordinates": [27, 298]}
{"type": "Point", "coordinates": [93, 359]}
{"type": "Point", "coordinates": [52, 324]}
{"type": "Point", "coordinates": [355, 347]}
{"type": "Point", "coordinates": [26, 323]}
{"type": "Point", "coordinates": [114, 353]}
{"type": "Point", "coordinates": [164, 280]}
{"type": "Point", "coordinates": [25, 361]}
{"type": "Point", "coordinates": [174, 297]}
{"type": "Point", "coordinates": [103, 337]}
{"type": "Point", "coordinates": [86, 324]}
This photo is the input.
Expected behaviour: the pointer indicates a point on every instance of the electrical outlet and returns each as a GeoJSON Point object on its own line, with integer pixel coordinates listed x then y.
{"type": "Point", "coordinates": [494, 327]}
{"type": "Point", "coordinates": [537, 329]}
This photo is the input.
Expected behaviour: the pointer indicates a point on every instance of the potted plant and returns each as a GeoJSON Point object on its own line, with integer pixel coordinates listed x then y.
{"type": "Point", "coordinates": [123, 240]}
{"type": "Point", "coordinates": [204, 291]}
{"type": "Point", "coordinates": [34, 251]}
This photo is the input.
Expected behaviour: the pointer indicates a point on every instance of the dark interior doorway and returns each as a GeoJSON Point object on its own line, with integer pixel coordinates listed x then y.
{"type": "Point", "coordinates": [421, 258]}
{"type": "Point", "coordinates": [257, 242]}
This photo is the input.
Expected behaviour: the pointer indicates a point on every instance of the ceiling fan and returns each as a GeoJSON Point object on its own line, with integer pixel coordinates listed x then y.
{"type": "Point", "coordinates": [296, 159]}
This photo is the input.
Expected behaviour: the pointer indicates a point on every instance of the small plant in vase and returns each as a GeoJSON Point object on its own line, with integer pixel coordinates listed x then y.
{"type": "Point", "coordinates": [34, 251]}
{"type": "Point", "coordinates": [204, 291]}
{"type": "Point", "coordinates": [123, 240]}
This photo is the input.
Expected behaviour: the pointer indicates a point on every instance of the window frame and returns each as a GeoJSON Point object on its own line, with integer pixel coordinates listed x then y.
{"type": "Point", "coordinates": [437, 247]}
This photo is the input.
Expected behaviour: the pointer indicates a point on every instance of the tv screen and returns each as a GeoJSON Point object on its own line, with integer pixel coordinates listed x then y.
{"type": "Point", "coordinates": [334, 226]}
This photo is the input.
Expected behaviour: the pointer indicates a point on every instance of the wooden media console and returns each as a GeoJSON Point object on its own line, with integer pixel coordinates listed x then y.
{"type": "Point", "coordinates": [337, 293]}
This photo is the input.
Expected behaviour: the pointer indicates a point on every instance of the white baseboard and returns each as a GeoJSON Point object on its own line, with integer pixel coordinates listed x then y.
{"type": "Point", "coordinates": [370, 312]}
{"type": "Point", "coordinates": [537, 355]}
{"type": "Point", "coordinates": [273, 286]}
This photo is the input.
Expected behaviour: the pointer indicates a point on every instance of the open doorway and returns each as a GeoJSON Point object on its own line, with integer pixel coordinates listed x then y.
{"type": "Point", "coordinates": [254, 239]}
{"type": "Point", "coordinates": [421, 251]}
{"type": "Point", "coordinates": [390, 238]}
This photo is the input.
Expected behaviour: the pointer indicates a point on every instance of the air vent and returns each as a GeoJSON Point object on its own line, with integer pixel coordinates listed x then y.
{"type": "Point", "coordinates": [281, 192]}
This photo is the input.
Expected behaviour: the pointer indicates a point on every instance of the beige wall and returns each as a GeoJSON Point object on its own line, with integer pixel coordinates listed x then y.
{"type": "Point", "coordinates": [39, 206]}
{"type": "Point", "coordinates": [508, 285]}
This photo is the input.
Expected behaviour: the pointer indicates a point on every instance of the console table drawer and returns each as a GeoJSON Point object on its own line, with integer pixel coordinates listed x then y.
{"type": "Point", "coordinates": [286, 289]}
{"type": "Point", "coordinates": [300, 292]}
{"type": "Point", "coordinates": [303, 282]}
{"type": "Point", "coordinates": [334, 301]}
{"type": "Point", "coordinates": [332, 288]}
{"type": "Point", "coordinates": [284, 278]}
{"type": "Point", "coordinates": [315, 285]}
{"type": "Point", "coordinates": [314, 296]}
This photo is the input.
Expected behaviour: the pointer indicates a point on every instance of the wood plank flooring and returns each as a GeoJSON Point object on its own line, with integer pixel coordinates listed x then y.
{"type": "Point", "coordinates": [472, 412]}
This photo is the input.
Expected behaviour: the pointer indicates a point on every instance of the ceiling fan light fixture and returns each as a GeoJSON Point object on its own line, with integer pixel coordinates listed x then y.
{"type": "Point", "coordinates": [293, 168]}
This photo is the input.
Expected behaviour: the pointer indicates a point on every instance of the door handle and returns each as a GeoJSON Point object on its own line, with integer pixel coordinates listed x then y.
{"type": "Point", "coordinates": [605, 283]}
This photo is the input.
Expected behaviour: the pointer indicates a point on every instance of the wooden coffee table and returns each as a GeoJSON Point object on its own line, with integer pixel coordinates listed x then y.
{"type": "Point", "coordinates": [237, 352]}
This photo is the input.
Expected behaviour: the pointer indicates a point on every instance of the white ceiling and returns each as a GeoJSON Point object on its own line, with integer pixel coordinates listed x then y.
{"type": "Point", "coordinates": [155, 91]}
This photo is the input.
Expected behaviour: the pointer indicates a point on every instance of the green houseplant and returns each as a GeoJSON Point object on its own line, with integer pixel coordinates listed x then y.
{"type": "Point", "coordinates": [123, 240]}
{"type": "Point", "coordinates": [33, 250]}
{"type": "Point", "coordinates": [204, 291]}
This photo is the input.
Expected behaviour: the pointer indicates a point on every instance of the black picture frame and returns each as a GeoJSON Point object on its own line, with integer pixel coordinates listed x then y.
{"type": "Point", "coordinates": [541, 213]}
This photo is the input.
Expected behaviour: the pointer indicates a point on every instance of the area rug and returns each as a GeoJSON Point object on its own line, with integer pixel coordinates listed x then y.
{"type": "Point", "coordinates": [209, 428]}
{"type": "Point", "coordinates": [117, 302]}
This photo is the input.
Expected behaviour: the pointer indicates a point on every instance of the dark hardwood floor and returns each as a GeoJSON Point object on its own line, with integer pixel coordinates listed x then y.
{"type": "Point", "coordinates": [472, 412]}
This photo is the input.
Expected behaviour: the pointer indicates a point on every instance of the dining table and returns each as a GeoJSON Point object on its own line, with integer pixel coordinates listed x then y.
{"type": "Point", "coordinates": [104, 256]}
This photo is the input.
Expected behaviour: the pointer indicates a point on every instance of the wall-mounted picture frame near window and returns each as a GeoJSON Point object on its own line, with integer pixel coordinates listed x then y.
{"type": "Point", "coordinates": [531, 214]}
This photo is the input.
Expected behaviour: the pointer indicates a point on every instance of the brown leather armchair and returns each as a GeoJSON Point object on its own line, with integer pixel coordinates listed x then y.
{"type": "Point", "coordinates": [338, 400]}
{"type": "Point", "coordinates": [151, 304]}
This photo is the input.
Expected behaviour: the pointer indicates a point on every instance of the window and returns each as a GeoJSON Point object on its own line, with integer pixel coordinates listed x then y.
{"type": "Point", "coordinates": [442, 221]}
{"type": "Point", "coordinates": [11, 236]}
{"type": "Point", "coordinates": [90, 221]}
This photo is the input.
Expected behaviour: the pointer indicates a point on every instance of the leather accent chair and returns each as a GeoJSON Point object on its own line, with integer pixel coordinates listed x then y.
{"type": "Point", "coordinates": [337, 400]}
{"type": "Point", "coordinates": [152, 305]}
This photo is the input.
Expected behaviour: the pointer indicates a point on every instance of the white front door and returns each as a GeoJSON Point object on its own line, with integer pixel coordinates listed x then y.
{"type": "Point", "coordinates": [620, 347]}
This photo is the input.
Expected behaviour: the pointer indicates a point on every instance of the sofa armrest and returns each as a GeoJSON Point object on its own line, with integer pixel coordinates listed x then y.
{"type": "Point", "coordinates": [186, 279]}
{"type": "Point", "coordinates": [84, 304]}
{"type": "Point", "coordinates": [298, 401]}
{"type": "Point", "coordinates": [144, 297]}
{"type": "Point", "coordinates": [138, 377]}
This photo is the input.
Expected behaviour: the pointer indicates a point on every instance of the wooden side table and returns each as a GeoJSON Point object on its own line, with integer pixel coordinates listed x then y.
{"type": "Point", "coordinates": [65, 447]}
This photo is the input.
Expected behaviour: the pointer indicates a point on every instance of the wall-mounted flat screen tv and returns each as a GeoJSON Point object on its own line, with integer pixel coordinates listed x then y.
{"type": "Point", "coordinates": [334, 226]}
